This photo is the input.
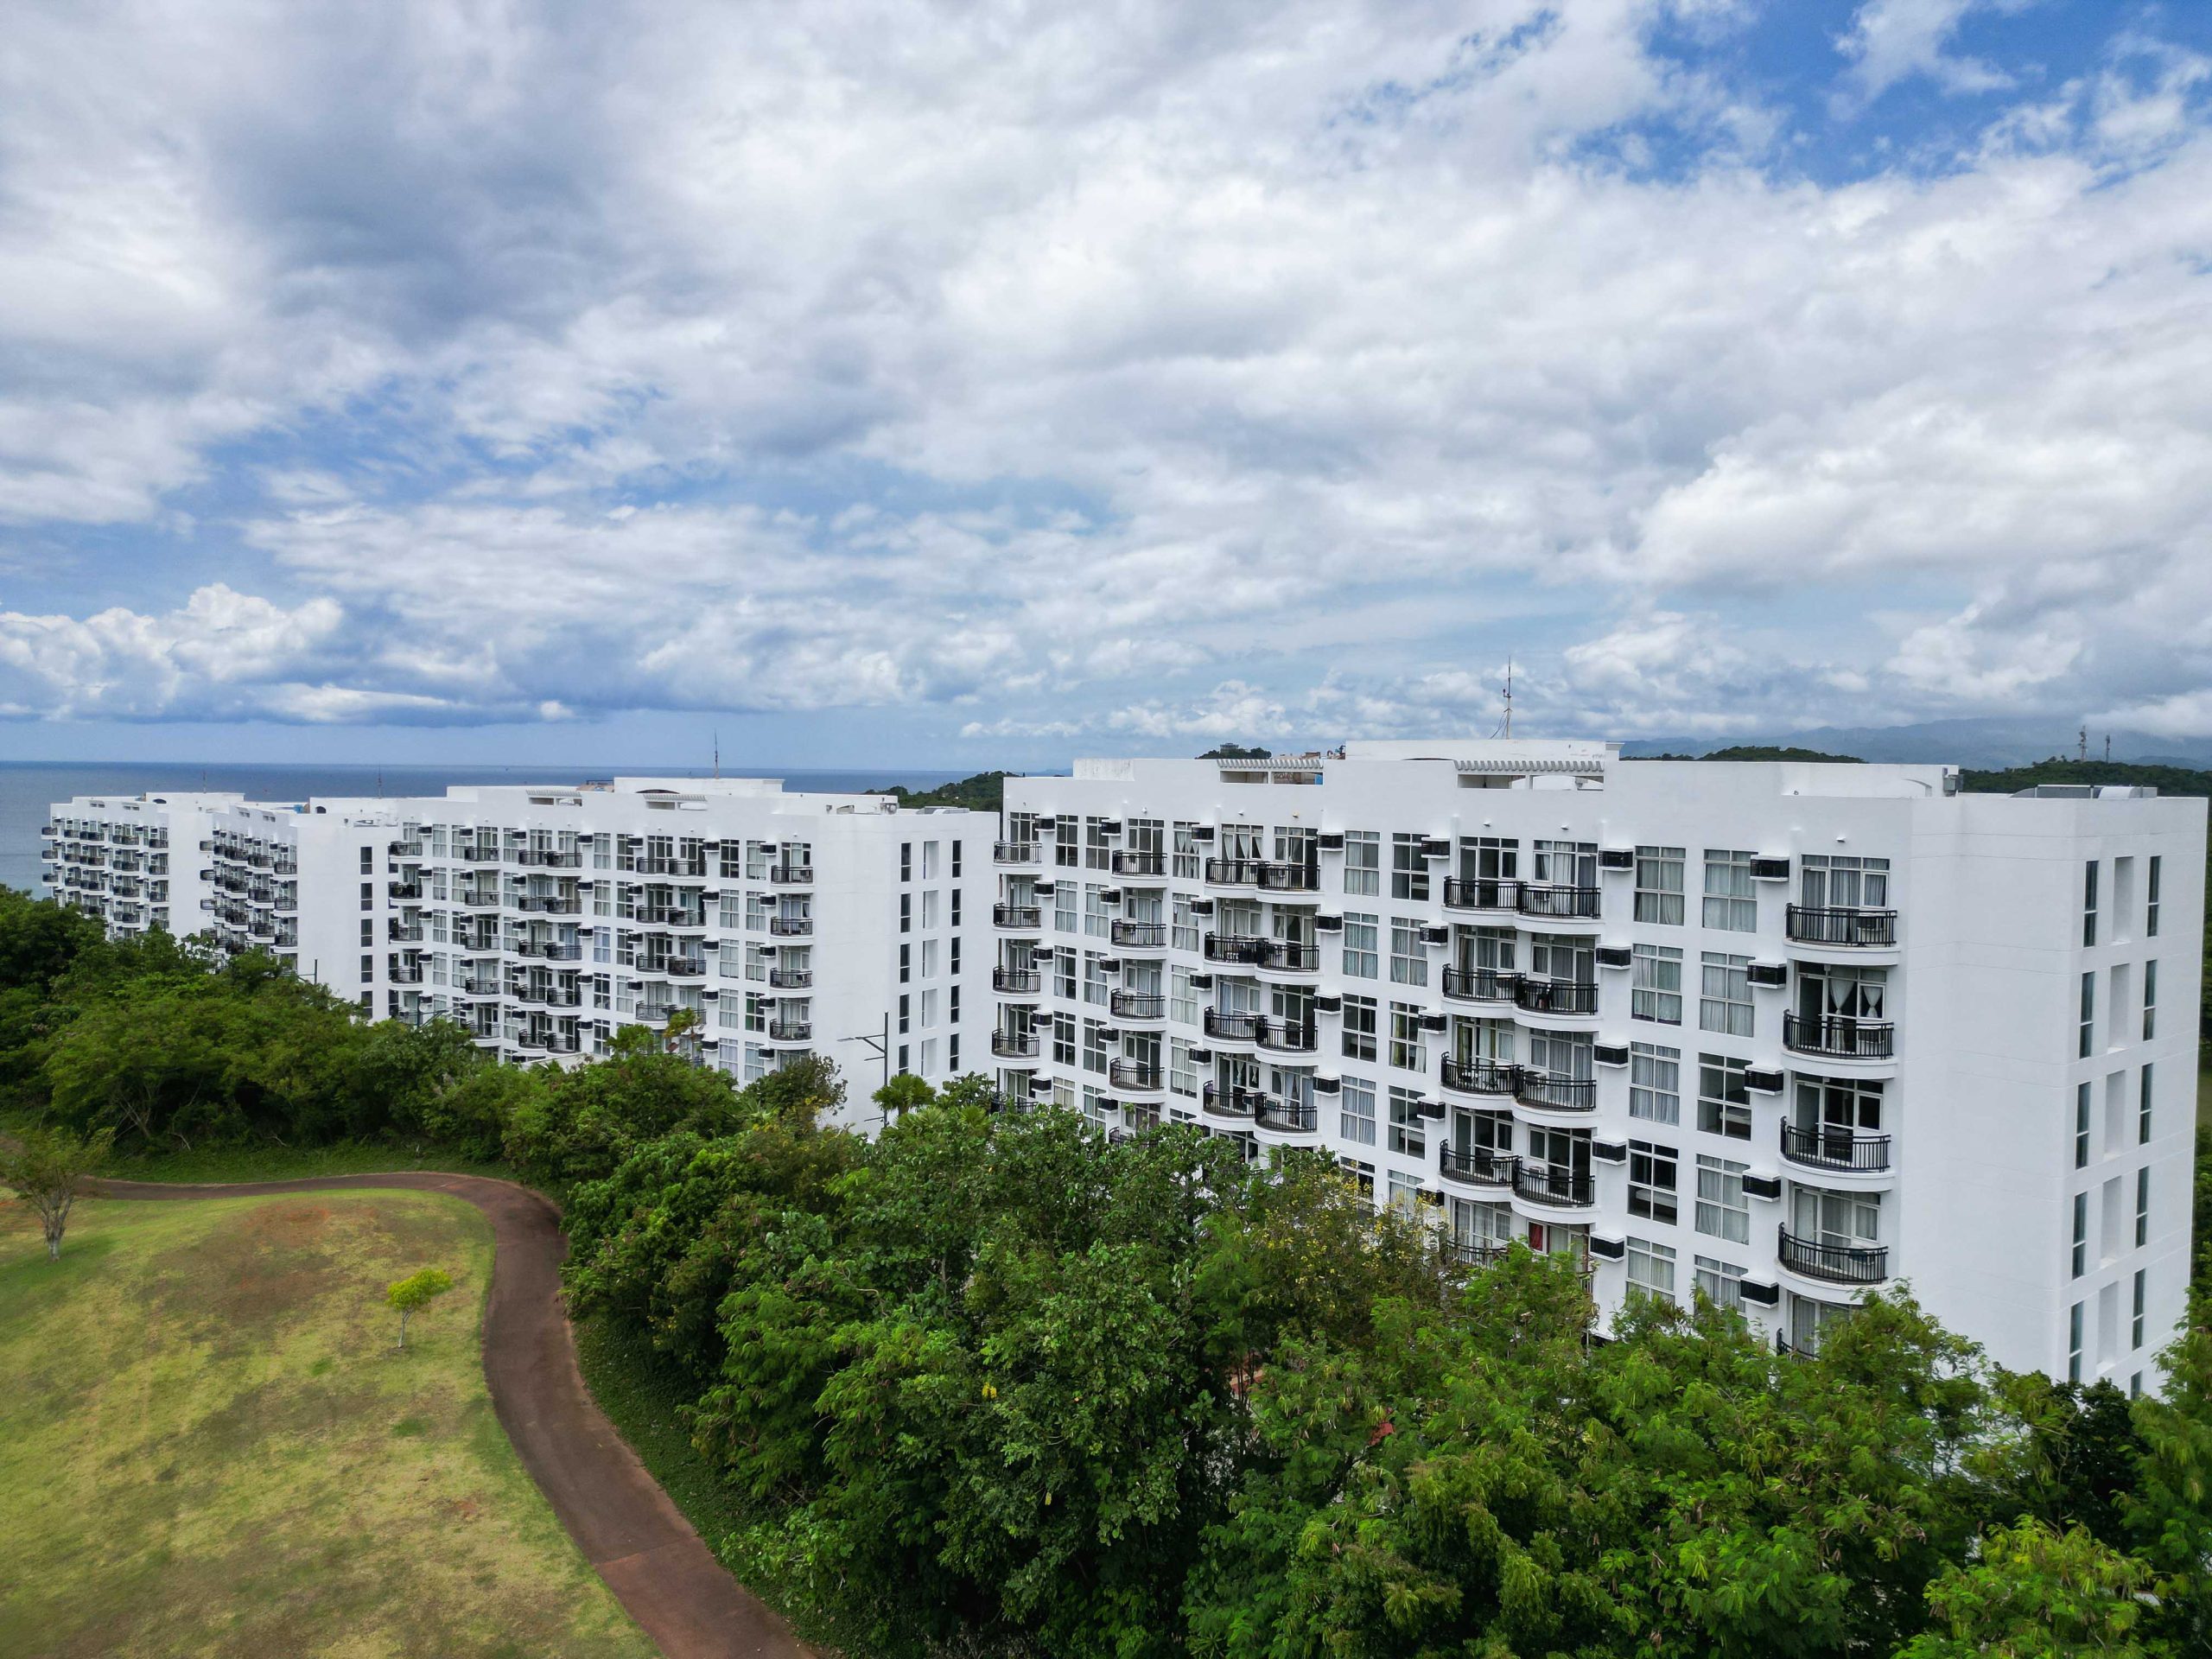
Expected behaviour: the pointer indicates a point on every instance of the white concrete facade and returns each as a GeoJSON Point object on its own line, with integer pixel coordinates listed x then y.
{"type": "Point", "coordinates": [544, 917]}
{"type": "Point", "coordinates": [1785, 1031]}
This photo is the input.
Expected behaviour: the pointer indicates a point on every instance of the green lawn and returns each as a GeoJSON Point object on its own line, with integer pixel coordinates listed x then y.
{"type": "Point", "coordinates": [211, 1445]}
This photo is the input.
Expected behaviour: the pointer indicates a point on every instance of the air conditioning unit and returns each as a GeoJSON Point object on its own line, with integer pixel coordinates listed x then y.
{"type": "Point", "coordinates": [1763, 1186]}
{"type": "Point", "coordinates": [1040, 1088]}
{"type": "Point", "coordinates": [1328, 1002]}
{"type": "Point", "coordinates": [1616, 858]}
{"type": "Point", "coordinates": [1328, 924]}
{"type": "Point", "coordinates": [1109, 826]}
{"type": "Point", "coordinates": [1201, 906]}
{"type": "Point", "coordinates": [1202, 1056]}
{"type": "Point", "coordinates": [1110, 964]}
{"type": "Point", "coordinates": [1331, 840]}
{"type": "Point", "coordinates": [1435, 1022]}
{"type": "Point", "coordinates": [1610, 1053]}
{"type": "Point", "coordinates": [1770, 869]}
{"type": "Point", "coordinates": [1109, 896]}
{"type": "Point", "coordinates": [1615, 956]}
{"type": "Point", "coordinates": [1436, 933]}
{"type": "Point", "coordinates": [1761, 1081]}
{"type": "Point", "coordinates": [1203, 834]}
{"type": "Point", "coordinates": [1047, 826]}
{"type": "Point", "coordinates": [1612, 1250]}
{"type": "Point", "coordinates": [1764, 1294]}
{"type": "Point", "coordinates": [1772, 974]}
{"type": "Point", "coordinates": [1432, 1109]}
{"type": "Point", "coordinates": [1610, 1152]}
{"type": "Point", "coordinates": [1202, 982]}
{"type": "Point", "coordinates": [1435, 846]}
{"type": "Point", "coordinates": [1327, 1085]}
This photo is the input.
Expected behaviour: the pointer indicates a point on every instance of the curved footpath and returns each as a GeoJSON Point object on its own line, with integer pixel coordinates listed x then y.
{"type": "Point", "coordinates": [625, 1525]}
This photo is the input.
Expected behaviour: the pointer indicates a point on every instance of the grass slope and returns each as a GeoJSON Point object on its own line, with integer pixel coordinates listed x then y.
{"type": "Point", "coordinates": [213, 1447]}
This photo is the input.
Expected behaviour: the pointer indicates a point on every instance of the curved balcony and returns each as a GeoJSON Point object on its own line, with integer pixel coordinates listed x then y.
{"type": "Point", "coordinates": [1019, 918]}
{"type": "Point", "coordinates": [1560, 996]}
{"type": "Point", "coordinates": [790, 927]}
{"type": "Point", "coordinates": [789, 1031]}
{"type": "Point", "coordinates": [791, 875]}
{"type": "Point", "coordinates": [1239, 1104]}
{"type": "Point", "coordinates": [1553, 1093]}
{"type": "Point", "coordinates": [1551, 902]}
{"type": "Point", "coordinates": [1479, 984]}
{"type": "Point", "coordinates": [1233, 949]}
{"type": "Point", "coordinates": [1013, 852]}
{"type": "Point", "coordinates": [1839, 1036]}
{"type": "Point", "coordinates": [1281, 876]}
{"type": "Point", "coordinates": [1017, 981]}
{"type": "Point", "coordinates": [1276, 1118]}
{"type": "Point", "coordinates": [1014, 1045]}
{"type": "Point", "coordinates": [1141, 865]}
{"type": "Point", "coordinates": [1139, 936]}
{"type": "Point", "coordinates": [1232, 872]}
{"type": "Point", "coordinates": [1480, 1076]}
{"type": "Point", "coordinates": [1231, 1027]}
{"type": "Point", "coordinates": [792, 979]}
{"type": "Point", "coordinates": [1842, 926]}
{"type": "Point", "coordinates": [1287, 956]}
{"type": "Point", "coordinates": [1480, 893]}
{"type": "Point", "coordinates": [1137, 1005]}
{"type": "Point", "coordinates": [1136, 1076]}
{"type": "Point", "coordinates": [680, 968]}
{"type": "Point", "coordinates": [1285, 1036]}
{"type": "Point", "coordinates": [559, 904]}
{"type": "Point", "coordinates": [1836, 1264]}
{"type": "Point", "coordinates": [1467, 1253]}
{"type": "Point", "coordinates": [1547, 1183]}
{"type": "Point", "coordinates": [1476, 1167]}
{"type": "Point", "coordinates": [1836, 1149]}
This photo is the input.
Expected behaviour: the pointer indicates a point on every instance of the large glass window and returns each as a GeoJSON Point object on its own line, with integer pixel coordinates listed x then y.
{"type": "Point", "coordinates": [1730, 901]}
{"type": "Point", "coordinates": [1355, 1112]}
{"type": "Point", "coordinates": [1724, 1097]}
{"type": "Point", "coordinates": [1359, 1027]}
{"type": "Point", "coordinates": [1650, 1269]}
{"type": "Point", "coordinates": [1721, 1282]}
{"type": "Point", "coordinates": [1408, 868]}
{"type": "Point", "coordinates": [1655, 1083]}
{"type": "Point", "coordinates": [1659, 884]}
{"type": "Point", "coordinates": [1363, 863]}
{"type": "Point", "coordinates": [1362, 946]}
{"type": "Point", "coordinates": [1406, 1049]}
{"type": "Point", "coordinates": [1408, 955]}
{"type": "Point", "coordinates": [1408, 1129]}
{"type": "Point", "coordinates": [1725, 1005]}
{"type": "Point", "coordinates": [1722, 1210]}
{"type": "Point", "coordinates": [1656, 984]}
{"type": "Point", "coordinates": [1653, 1180]}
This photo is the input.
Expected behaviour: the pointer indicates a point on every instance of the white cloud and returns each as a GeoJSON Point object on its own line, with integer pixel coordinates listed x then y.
{"type": "Point", "coordinates": [1891, 41]}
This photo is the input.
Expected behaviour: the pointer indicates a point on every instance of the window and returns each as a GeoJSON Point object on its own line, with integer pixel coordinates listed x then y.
{"type": "Point", "coordinates": [1360, 946]}
{"type": "Point", "coordinates": [1362, 1176]}
{"type": "Point", "coordinates": [1063, 905]}
{"type": "Point", "coordinates": [905, 861]}
{"type": "Point", "coordinates": [1650, 1269]}
{"type": "Point", "coordinates": [1355, 1112]}
{"type": "Point", "coordinates": [1409, 1129]}
{"type": "Point", "coordinates": [2150, 1001]}
{"type": "Point", "coordinates": [2151, 908]}
{"type": "Point", "coordinates": [1655, 1083]}
{"type": "Point", "coordinates": [1659, 884]}
{"type": "Point", "coordinates": [1094, 1045]}
{"type": "Point", "coordinates": [1653, 1180]}
{"type": "Point", "coordinates": [1408, 868]}
{"type": "Point", "coordinates": [956, 860]}
{"type": "Point", "coordinates": [1359, 1027]}
{"type": "Point", "coordinates": [1724, 1098]}
{"type": "Point", "coordinates": [1182, 997]}
{"type": "Point", "coordinates": [1730, 901]}
{"type": "Point", "coordinates": [1363, 863]}
{"type": "Point", "coordinates": [1183, 925]}
{"type": "Point", "coordinates": [2089, 902]}
{"type": "Point", "coordinates": [1722, 1210]}
{"type": "Point", "coordinates": [2135, 1330]}
{"type": "Point", "coordinates": [1841, 881]}
{"type": "Point", "coordinates": [1725, 1003]}
{"type": "Point", "coordinates": [1064, 970]}
{"type": "Point", "coordinates": [2080, 1234]}
{"type": "Point", "coordinates": [2143, 1111]}
{"type": "Point", "coordinates": [1408, 956]}
{"type": "Point", "coordinates": [1094, 910]}
{"type": "Point", "coordinates": [2073, 1345]}
{"type": "Point", "coordinates": [1182, 1074]}
{"type": "Point", "coordinates": [906, 1013]}
{"type": "Point", "coordinates": [1185, 851]}
{"type": "Point", "coordinates": [1405, 1193]}
{"type": "Point", "coordinates": [2142, 1206]}
{"type": "Point", "coordinates": [1656, 986]}
{"type": "Point", "coordinates": [2088, 1015]}
{"type": "Point", "coordinates": [2081, 1126]}
{"type": "Point", "coordinates": [368, 861]}
{"type": "Point", "coordinates": [1719, 1282]}
{"type": "Point", "coordinates": [1406, 1050]}
{"type": "Point", "coordinates": [1063, 1039]}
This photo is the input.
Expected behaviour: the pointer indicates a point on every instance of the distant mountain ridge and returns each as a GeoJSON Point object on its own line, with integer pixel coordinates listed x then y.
{"type": "Point", "coordinates": [1985, 743]}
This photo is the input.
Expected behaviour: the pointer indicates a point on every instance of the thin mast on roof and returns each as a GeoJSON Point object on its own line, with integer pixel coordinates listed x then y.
{"type": "Point", "coordinates": [1508, 696]}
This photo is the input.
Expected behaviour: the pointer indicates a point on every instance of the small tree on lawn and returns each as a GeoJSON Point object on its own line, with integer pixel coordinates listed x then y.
{"type": "Point", "coordinates": [415, 1292]}
{"type": "Point", "coordinates": [49, 1166]}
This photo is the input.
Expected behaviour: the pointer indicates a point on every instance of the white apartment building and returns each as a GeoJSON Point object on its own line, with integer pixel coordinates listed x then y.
{"type": "Point", "coordinates": [1785, 1032]}
{"type": "Point", "coordinates": [545, 917]}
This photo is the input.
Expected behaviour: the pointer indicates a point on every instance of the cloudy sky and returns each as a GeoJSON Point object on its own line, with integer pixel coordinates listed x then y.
{"type": "Point", "coordinates": [947, 384]}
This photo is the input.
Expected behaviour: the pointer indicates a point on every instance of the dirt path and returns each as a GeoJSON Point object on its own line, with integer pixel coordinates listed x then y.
{"type": "Point", "coordinates": [627, 1526]}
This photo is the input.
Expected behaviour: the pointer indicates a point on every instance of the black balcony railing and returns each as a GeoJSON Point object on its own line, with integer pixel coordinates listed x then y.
{"type": "Point", "coordinates": [1138, 1005]}
{"type": "Point", "coordinates": [1233, 872]}
{"type": "Point", "coordinates": [1141, 863]}
{"type": "Point", "coordinates": [1479, 984]}
{"type": "Point", "coordinates": [684, 968]}
{"type": "Point", "coordinates": [1842, 1264]}
{"type": "Point", "coordinates": [789, 1031]}
{"type": "Point", "coordinates": [1476, 1165]}
{"type": "Point", "coordinates": [1287, 1116]}
{"type": "Point", "coordinates": [1028, 917]}
{"type": "Point", "coordinates": [1533, 996]}
{"type": "Point", "coordinates": [1231, 948]}
{"type": "Point", "coordinates": [790, 927]}
{"type": "Point", "coordinates": [1016, 982]}
{"type": "Point", "coordinates": [1013, 852]}
{"type": "Point", "coordinates": [1551, 1183]}
{"type": "Point", "coordinates": [1014, 1045]}
{"type": "Point", "coordinates": [1533, 1088]}
{"type": "Point", "coordinates": [1558, 902]}
{"type": "Point", "coordinates": [1479, 1076]}
{"type": "Point", "coordinates": [1140, 936]}
{"type": "Point", "coordinates": [791, 875]}
{"type": "Point", "coordinates": [1479, 892]}
{"type": "Point", "coordinates": [1231, 1027]}
{"type": "Point", "coordinates": [1474, 1253]}
{"type": "Point", "coordinates": [1134, 1074]}
{"type": "Point", "coordinates": [790, 979]}
{"type": "Point", "coordinates": [1842, 924]}
{"type": "Point", "coordinates": [1826, 1148]}
{"type": "Point", "coordinates": [1288, 957]}
{"type": "Point", "coordinates": [1229, 1102]}
{"type": "Point", "coordinates": [1839, 1036]}
{"type": "Point", "coordinates": [1286, 1036]}
{"type": "Point", "coordinates": [1285, 876]}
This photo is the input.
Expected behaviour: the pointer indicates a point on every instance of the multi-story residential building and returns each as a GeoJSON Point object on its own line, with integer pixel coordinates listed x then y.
{"type": "Point", "coordinates": [1782, 1033]}
{"type": "Point", "coordinates": [545, 917]}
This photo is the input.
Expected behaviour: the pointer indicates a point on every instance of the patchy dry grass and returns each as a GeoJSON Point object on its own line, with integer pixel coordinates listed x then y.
{"type": "Point", "coordinates": [211, 1445]}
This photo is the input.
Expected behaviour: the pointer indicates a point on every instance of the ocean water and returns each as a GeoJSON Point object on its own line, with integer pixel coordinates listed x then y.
{"type": "Point", "coordinates": [29, 789]}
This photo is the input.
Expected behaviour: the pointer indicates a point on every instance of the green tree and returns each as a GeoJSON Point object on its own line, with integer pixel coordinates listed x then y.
{"type": "Point", "coordinates": [408, 1296]}
{"type": "Point", "coordinates": [902, 1094]}
{"type": "Point", "coordinates": [2034, 1593]}
{"type": "Point", "coordinates": [49, 1166]}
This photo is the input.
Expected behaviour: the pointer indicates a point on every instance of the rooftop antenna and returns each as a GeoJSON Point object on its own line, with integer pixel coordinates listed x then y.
{"type": "Point", "coordinates": [718, 757]}
{"type": "Point", "coordinates": [2084, 753]}
{"type": "Point", "coordinates": [2108, 748]}
{"type": "Point", "coordinates": [1508, 696]}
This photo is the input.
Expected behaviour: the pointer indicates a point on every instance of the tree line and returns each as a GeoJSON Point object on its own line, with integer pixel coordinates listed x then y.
{"type": "Point", "coordinates": [999, 1383]}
